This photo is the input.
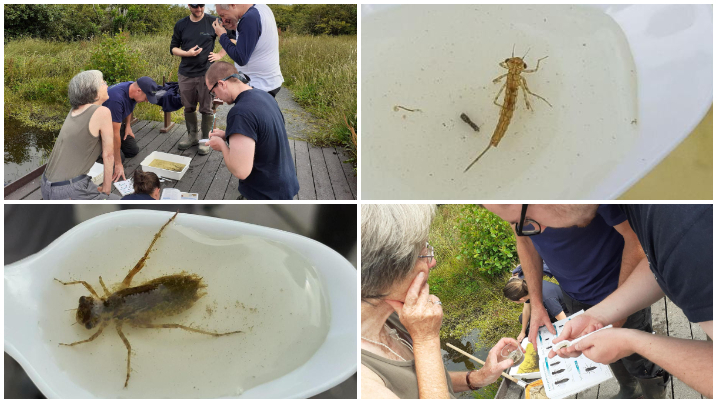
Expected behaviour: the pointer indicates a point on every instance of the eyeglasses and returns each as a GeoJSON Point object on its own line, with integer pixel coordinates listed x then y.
{"type": "Point", "coordinates": [430, 254]}
{"type": "Point", "coordinates": [235, 75]}
{"type": "Point", "coordinates": [196, 5]}
{"type": "Point", "coordinates": [526, 226]}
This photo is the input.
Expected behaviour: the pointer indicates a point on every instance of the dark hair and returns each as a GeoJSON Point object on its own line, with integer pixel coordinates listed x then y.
{"type": "Point", "coordinates": [145, 182]}
{"type": "Point", "coordinates": [516, 289]}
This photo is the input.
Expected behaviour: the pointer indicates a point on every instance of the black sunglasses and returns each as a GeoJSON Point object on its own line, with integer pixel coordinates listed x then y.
{"type": "Point", "coordinates": [526, 226]}
{"type": "Point", "coordinates": [196, 5]}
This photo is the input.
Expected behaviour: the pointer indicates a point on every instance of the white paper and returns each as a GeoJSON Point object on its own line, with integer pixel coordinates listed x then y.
{"type": "Point", "coordinates": [125, 187]}
{"type": "Point", "coordinates": [176, 194]}
{"type": "Point", "coordinates": [97, 173]}
{"type": "Point", "coordinates": [574, 374]}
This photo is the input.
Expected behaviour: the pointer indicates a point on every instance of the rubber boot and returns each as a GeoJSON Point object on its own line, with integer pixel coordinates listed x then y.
{"type": "Point", "coordinates": [192, 139]}
{"type": "Point", "coordinates": [207, 122]}
{"type": "Point", "coordinates": [628, 383]}
{"type": "Point", "coordinates": [655, 388]}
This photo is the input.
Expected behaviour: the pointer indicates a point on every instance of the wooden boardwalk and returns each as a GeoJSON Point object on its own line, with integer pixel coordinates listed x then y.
{"type": "Point", "coordinates": [668, 320]}
{"type": "Point", "coordinates": [321, 172]}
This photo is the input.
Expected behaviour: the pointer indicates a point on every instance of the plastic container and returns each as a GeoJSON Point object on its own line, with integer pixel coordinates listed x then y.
{"type": "Point", "coordinates": [167, 157]}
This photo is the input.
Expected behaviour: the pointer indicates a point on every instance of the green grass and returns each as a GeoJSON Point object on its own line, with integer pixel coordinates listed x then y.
{"type": "Point", "coordinates": [470, 301]}
{"type": "Point", "coordinates": [321, 71]}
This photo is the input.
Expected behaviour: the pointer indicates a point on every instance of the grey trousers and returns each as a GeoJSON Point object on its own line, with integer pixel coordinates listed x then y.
{"type": "Point", "coordinates": [192, 91]}
{"type": "Point", "coordinates": [83, 189]}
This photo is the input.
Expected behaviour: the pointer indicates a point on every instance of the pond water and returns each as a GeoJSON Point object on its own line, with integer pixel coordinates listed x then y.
{"type": "Point", "coordinates": [456, 361]}
{"type": "Point", "coordinates": [25, 149]}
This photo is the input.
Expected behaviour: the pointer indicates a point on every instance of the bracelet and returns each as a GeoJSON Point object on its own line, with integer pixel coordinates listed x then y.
{"type": "Point", "coordinates": [468, 381]}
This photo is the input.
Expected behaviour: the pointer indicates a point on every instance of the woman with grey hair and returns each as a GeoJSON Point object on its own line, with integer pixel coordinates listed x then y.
{"type": "Point", "coordinates": [400, 319]}
{"type": "Point", "coordinates": [86, 133]}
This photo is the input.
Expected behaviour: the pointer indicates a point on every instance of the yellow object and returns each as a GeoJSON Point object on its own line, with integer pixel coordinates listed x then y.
{"type": "Point", "coordinates": [530, 363]}
{"type": "Point", "coordinates": [538, 390]}
{"type": "Point", "coordinates": [169, 166]}
{"type": "Point", "coordinates": [685, 174]}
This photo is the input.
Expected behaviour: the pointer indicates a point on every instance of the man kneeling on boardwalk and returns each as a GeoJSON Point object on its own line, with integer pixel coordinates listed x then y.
{"type": "Point", "coordinates": [258, 150]}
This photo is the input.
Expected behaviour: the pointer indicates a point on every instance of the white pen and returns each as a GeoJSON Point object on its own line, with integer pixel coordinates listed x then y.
{"type": "Point", "coordinates": [568, 343]}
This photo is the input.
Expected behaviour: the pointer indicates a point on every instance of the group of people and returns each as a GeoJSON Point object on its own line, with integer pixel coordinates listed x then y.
{"type": "Point", "coordinates": [612, 261]}
{"type": "Point", "coordinates": [254, 145]}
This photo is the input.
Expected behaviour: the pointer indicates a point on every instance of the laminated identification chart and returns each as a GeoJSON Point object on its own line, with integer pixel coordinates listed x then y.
{"type": "Point", "coordinates": [567, 376]}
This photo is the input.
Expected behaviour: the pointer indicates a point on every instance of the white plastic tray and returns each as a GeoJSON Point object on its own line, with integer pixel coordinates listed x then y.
{"type": "Point", "coordinates": [167, 157]}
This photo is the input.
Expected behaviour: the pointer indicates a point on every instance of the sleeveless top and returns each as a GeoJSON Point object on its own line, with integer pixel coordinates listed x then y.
{"type": "Point", "coordinates": [399, 376]}
{"type": "Point", "coordinates": [75, 150]}
{"type": "Point", "coordinates": [263, 65]}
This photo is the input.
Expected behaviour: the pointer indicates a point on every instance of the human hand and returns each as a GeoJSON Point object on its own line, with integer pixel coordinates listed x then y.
{"type": "Point", "coordinates": [217, 133]}
{"type": "Point", "coordinates": [216, 143]}
{"type": "Point", "coordinates": [119, 172]}
{"type": "Point", "coordinates": [214, 57]}
{"type": "Point", "coordinates": [494, 363]}
{"type": "Point", "coordinates": [99, 189]}
{"type": "Point", "coordinates": [574, 328]}
{"type": "Point", "coordinates": [420, 313]}
{"type": "Point", "coordinates": [194, 51]}
{"type": "Point", "coordinates": [539, 317]}
{"type": "Point", "coordinates": [218, 28]}
{"type": "Point", "coordinates": [128, 132]}
{"type": "Point", "coordinates": [607, 346]}
{"type": "Point", "coordinates": [521, 336]}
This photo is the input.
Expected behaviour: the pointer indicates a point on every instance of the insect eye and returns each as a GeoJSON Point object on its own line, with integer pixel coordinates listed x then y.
{"type": "Point", "coordinates": [506, 60]}
{"type": "Point", "coordinates": [525, 66]}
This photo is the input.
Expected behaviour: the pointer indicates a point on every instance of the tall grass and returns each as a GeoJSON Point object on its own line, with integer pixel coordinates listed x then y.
{"type": "Point", "coordinates": [321, 71]}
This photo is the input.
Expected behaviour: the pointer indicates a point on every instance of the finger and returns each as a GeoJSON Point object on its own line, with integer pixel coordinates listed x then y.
{"type": "Point", "coordinates": [552, 354]}
{"type": "Point", "coordinates": [505, 364]}
{"type": "Point", "coordinates": [414, 289]}
{"type": "Point", "coordinates": [550, 326]}
{"type": "Point", "coordinates": [396, 305]}
{"type": "Point", "coordinates": [533, 334]}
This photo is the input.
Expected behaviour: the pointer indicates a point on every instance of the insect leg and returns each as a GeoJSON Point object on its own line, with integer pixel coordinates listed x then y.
{"type": "Point", "coordinates": [537, 65]}
{"type": "Point", "coordinates": [524, 84]}
{"type": "Point", "coordinates": [129, 349]}
{"type": "Point", "coordinates": [102, 283]}
{"type": "Point", "coordinates": [495, 80]}
{"type": "Point", "coordinates": [89, 287]}
{"type": "Point", "coordinates": [495, 100]}
{"type": "Point", "coordinates": [176, 326]}
{"type": "Point", "coordinates": [127, 280]}
{"type": "Point", "coordinates": [94, 336]}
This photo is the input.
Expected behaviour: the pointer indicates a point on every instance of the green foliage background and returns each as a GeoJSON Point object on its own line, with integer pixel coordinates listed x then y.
{"type": "Point", "coordinates": [488, 242]}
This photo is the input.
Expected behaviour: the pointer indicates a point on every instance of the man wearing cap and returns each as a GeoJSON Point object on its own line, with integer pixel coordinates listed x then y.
{"type": "Point", "coordinates": [193, 41]}
{"type": "Point", "coordinates": [256, 52]}
{"type": "Point", "coordinates": [123, 98]}
{"type": "Point", "coordinates": [258, 150]}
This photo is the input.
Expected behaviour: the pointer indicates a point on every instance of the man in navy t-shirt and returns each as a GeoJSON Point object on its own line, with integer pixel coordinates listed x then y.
{"type": "Point", "coordinates": [258, 152]}
{"type": "Point", "coordinates": [590, 262]}
{"type": "Point", "coordinates": [123, 98]}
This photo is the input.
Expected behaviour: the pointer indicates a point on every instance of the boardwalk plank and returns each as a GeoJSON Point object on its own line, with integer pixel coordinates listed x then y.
{"type": "Point", "coordinates": [207, 174]}
{"type": "Point", "coordinates": [659, 317]}
{"type": "Point", "coordinates": [233, 189]}
{"type": "Point", "coordinates": [339, 184]}
{"type": "Point", "coordinates": [36, 195]}
{"type": "Point", "coordinates": [348, 171]}
{"type": "Point", "coordinates": [218, 188]}
{"type": "Point", "coordinates": [679, 327]}
{"type": "Point", "coordinates": [307, 191]}
{"type": "Point", "coordinates": [322, 182]}
{"type": "Point", "coordinates": [591, 393]}
{"type": "Point", "coordinates": [26, 190]}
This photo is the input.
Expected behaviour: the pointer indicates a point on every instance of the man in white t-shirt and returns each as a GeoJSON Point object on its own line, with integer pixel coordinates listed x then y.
{"type": "Point", "coordinates": [256, 52]}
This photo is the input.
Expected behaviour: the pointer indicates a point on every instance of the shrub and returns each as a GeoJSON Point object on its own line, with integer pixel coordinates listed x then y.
{"type": "Point", "coordinates": [114, 58]}
{"type": "Point", "coordinates": [488, 241]}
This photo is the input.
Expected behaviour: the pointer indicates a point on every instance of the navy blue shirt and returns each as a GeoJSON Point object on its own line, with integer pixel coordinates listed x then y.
{"type": "Point", "coordinates": [677, 240]}
{"type": "Point", "coordinates": [248, 31]}
{"type": "Point", "coordinates": [256, 115]}
{"type": "Point", "coordinates": [585, 261]}
{"type": "Point", "coordinates": [138, 196]}
{"type": "Point", "coordinates": [120, 104]}
{"type": "Point", "coordinates": [552, 299]}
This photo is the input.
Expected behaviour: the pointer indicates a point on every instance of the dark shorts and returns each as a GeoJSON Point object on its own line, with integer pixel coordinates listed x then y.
{"type": "Point", "coordinates": [637, 365]}
{"type": "Point", "coordinates": [192, 91]}
{"type": "Point", "coordinates": [274, 92]}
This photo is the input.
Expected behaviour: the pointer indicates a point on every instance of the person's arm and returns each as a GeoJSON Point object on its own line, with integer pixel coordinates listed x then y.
{"type": "Point", "coordinates": [117, 142]}
{"type": "Point", "coordinates": [490, 372]}
{"type": "Point", "coordinates": [373, 387]}
{"type": "Point", "coordinates": [707, 328]}
{"type": "Point", "coordinates": [632, 254]}
{"type": "Point", "coordinates": [238, 156]}
{"type": "Point", "coordinates": [248, 36]}
{"type": "Point", "coordinates": [689, 360]}
{"type": "Point", "coordinates": [561, 316]}
{"type": "Point", "coordinates": [128, 127]}
{"type": "Point", "coordinates": [106, 133]}
{"type": "Point", "coordinates": [532, 265]}
{"type": "Point", "coordinates": [526, 319]}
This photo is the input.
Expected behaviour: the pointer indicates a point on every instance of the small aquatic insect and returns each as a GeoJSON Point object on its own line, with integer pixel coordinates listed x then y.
{"type": "Point", "coordinates": [562, 381]}
{"type": "Point", "coordinates": [588, 369]}
{"type": "Point", "coordinates": [138, 306]}
{"type": "Point", "coordinates": [558, 371]}
{"type": "Point", "coordinates": [555, 363]}
{"type": "Point", "coordinates": [515, 66]}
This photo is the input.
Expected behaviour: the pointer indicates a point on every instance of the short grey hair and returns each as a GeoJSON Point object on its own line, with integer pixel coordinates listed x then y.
{"type": "Point", "coordinates": [84, 87]}
{"type": "Point", "coordinates": [222, 6]}
{"type": "Point", "coordinates": [392, 237]}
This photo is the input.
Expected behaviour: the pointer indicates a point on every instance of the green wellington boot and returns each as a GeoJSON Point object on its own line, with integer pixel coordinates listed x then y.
{"type": "Point", "coordinates": [192, 138]}
{"type": "Point", "coordinates": [655, 388]}
{"type": "Point", "coordinates": [628, 383]}
{"type": "Point", "coordinates": [207, 121]}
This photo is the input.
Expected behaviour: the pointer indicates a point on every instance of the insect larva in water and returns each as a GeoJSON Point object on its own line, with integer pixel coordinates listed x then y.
{"type": "Point", "coordinates": [138, 306]}
{"type": "Point", "coordinates": [515, 66]}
